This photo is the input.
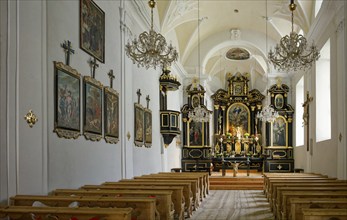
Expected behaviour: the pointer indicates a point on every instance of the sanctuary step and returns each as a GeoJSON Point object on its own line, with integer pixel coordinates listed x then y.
{"type": "Point", "coordinates": [240, 182]}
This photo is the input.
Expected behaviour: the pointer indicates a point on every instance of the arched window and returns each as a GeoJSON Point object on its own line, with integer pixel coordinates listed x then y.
{"type": "Point", "coordinates": [323, 103]}
{"type": "Point", "coordinates": [299, 97]}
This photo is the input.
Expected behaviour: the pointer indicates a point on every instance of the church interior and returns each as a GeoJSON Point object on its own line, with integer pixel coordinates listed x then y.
{"type": "Point", "coordinates": [232, 90]}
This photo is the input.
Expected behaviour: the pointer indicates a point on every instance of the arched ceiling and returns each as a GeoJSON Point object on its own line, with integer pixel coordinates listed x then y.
{"type": "Point", "coordinates": [216, 38]}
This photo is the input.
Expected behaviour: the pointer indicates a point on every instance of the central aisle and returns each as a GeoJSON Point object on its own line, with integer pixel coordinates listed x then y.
{"type": "Point", "coordinates": [234, 205]}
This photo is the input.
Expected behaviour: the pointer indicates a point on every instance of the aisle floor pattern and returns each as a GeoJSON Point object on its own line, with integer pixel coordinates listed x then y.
{"type": "Point", "coordinates": [234, 205]}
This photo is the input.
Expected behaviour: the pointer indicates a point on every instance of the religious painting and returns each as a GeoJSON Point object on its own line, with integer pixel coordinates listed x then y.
{"type": "Point", "coordinates": [148, 127]}
{"type": "Point", "coordinates": [67, 86]}
{"type": "Point", "coordinates": [238, 120]}
{"type": "Point", "coordinates": [195, 101]}
{"type": "Point", "coordinates": [139, 125]}
{"type": "Point", "coordinates": [111, 115]}
{"type": "Point", "coordinates": [195, 133]}
{"type": "Point", "coordinates": [92, 108]}
{"type": "Point", "coordinates": [92, 29]}
{"type": "Point", "coordinates": [279, 132]}
{"type": "Point", "coordinates": [279, 101]}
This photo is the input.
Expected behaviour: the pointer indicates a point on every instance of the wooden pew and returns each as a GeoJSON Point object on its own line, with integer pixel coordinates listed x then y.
{"type": "Point", "coordinates": [163, 204]}
{"type": "Point", "coordinates": [194, 185]}
{"type": "Point", "coordinates": [187, 193]}
{"type": "Point", "coordinates": [301, 180]}
{"type": "Point", "coordinates": [64, 213]}
{"type": "Point", "coordinates": [269, 179]}
{"type": "Point", "coordinates": [297, 204]}
{"type": "Point", "coordinates": [177, 194]}
{"type": "Point", "coordinates": [287, 195]}
{"type": "Point", "coordinates": [324, 214]}
{"type": "Point", "coordinates": [273, 196]}
{"type": "Point", "coordinates": [143, 208]}
{"type": "Point", "coordinates": [203, 175]}
{"type": "Point", "coordinates": [179, 176]}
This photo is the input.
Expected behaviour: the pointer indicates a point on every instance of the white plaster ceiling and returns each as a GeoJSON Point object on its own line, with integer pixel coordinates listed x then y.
{"type": "Point", "coordinates": [180, 17]}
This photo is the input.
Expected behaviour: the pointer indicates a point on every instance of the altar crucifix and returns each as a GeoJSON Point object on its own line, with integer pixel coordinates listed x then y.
{"type": "Point", "coordinates": [111, 76]}
{"type": "Point", "coordinates": [306, 117]}
{"type": "Point", "coordinates": [68, 50]}
{"type": "Point", "coordinates": [93, 65]}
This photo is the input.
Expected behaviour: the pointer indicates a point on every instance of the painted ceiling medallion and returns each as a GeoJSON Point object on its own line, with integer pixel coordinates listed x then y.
{"type": "Point", "coordinates": [237, 54]}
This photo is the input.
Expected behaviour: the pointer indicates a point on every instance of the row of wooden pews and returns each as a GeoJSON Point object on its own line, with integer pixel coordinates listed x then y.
{"type": "Point", "coordinates": [149, 197]}
{"type": "Point", "coordinates": [306, 196]}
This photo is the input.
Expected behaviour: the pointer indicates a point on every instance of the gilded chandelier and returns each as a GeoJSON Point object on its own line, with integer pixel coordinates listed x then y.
{"type": "Point", "coordinates": [151, 49]}
{"type": "Point", "coordinates": [293, 52]}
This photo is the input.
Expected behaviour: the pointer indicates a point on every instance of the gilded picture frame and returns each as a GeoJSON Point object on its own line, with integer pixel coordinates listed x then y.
{"type": "Point", "coordinates": [238, 119]}
{"type": "Point", "coordinates": [92, 29]}
{"type": "Point", "coordinates": [279, 101]}
{"type": "Point", "coordinates": [111, 115]}
{"type": "Point", "coordinates": [67, 96]}
{"type": "Point", "coordinates": [92, 108]}
{"type": "Point", "coordinates": [138, 125]}
{"type": "Point", "coordinates": [148, 127]}
{"type": "Point", "coordinates": [195, 133]}
{"type": "Point", "coordinates": [279, 132]}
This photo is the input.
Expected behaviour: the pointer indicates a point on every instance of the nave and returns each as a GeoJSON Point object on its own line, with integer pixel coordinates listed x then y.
{"type": "Point", "coordinates": [234, 204]}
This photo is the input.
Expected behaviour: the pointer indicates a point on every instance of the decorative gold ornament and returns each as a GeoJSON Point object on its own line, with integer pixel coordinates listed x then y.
{"type": "Point", "coordinates": [31, 118]}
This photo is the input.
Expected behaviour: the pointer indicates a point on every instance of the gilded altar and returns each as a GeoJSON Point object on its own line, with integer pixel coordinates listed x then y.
{"type": "Point", "coordinates": [237, 131]}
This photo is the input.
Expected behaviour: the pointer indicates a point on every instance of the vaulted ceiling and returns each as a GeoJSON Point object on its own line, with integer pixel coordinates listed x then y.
{"type": "Point", "coordinates": [226, 25]}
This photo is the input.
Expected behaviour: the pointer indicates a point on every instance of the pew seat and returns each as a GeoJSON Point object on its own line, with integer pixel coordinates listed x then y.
{"type": "Point", "coordinates": [143, 208]}
{"type": "Point", "coordinates": [297, 204]}
{"type": "Point", "coordinates": [64, 213]}
{"type": "Point", "coordinates": [324, 214]}
{"type": "Point", "coordinates": [163, 204]}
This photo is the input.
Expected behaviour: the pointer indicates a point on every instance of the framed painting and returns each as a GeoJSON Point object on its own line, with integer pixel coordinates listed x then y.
{"type": "Point", "coordinates": [279, 101]}
{"type": "Point", "coordinates": [92, 29]}
{"type": "Point", "coordinates": [238, 120]}
{"type": "Point", "coordinates": [279, 132]}
{"type": "Point", "coordinates": [111, 115]}
{"type": "Point", "coordinates": [92, 105]}
{"type": "Point", "coordinates": [139, 125]}
{"type": "Point", "coordinates": [195, 133]}
{"type": "Point", "coordinates": [148, 127]}
{"type": "Point", "coordinates": [67, 94]}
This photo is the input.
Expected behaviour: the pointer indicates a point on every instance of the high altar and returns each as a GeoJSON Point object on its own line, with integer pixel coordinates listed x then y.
{"type": "Point", "coordinates": [237, 139]}
{"type": "Point", "coordinates": [237, 131]}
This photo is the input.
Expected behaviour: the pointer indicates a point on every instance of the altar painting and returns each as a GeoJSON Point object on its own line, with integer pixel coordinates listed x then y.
{"type": "Point", "coordinates": [279, 132]}
{"type": "Point", "coordinates": [195, 133]}
{"type": "Point", "coordinates": [238, 120]}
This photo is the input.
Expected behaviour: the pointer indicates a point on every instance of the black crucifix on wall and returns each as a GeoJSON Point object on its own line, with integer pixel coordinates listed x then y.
{"type": "Point", "coordinates": [148, 99]}
{"type": "Point", "coordinates": [138, 95]}
{"type": "Point", "coordinates": [111, 76]}
{"type": "Point", "coordinates": [93, 65]}
{"type": "Point", "coordinates": [306, 118]}
{"type": "Point", "coordinates": [68, 50]}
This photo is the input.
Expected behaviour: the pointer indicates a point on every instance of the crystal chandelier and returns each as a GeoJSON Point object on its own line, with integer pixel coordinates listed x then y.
{"type": "Point", "coordinates": [151, 49]}
{"type": "Point", "coordinates": [293, 52]}
{"type": "Point", "coordinates": [199, 113]}
{"type": "Point", "coordinates": [268, 113]}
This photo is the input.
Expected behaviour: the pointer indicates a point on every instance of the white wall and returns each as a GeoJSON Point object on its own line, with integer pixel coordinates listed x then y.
{"type": "Point", "coordinates": [327, 157]}
{"type": "Point", "coordinates": [35, 160]}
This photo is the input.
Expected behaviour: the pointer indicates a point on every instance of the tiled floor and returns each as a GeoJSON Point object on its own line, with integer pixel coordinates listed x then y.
{"type": "Point", "coordinates": [234, 205]}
